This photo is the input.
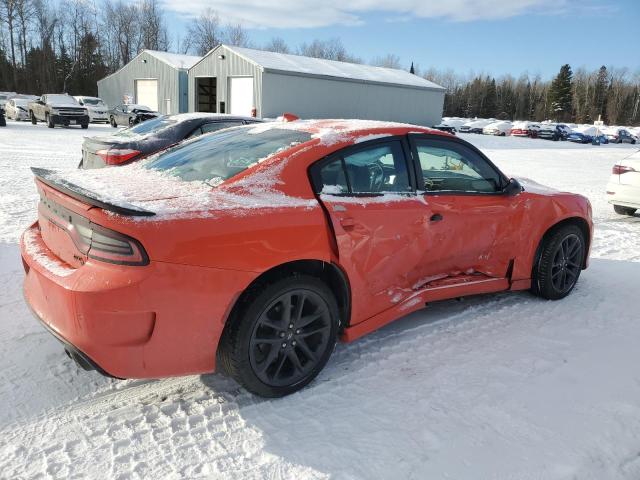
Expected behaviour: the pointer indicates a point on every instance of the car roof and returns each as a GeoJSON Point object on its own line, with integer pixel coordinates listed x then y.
{"type": "Point", "coordinates": [326, 128]}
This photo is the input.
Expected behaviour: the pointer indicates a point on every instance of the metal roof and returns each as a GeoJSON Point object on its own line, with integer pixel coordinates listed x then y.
{"type": "Point", "coordinates": [176, 60]}
{"type": "Point", "coordinates": [298, 64]}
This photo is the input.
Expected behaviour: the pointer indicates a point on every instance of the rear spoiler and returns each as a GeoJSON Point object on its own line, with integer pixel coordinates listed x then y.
{"type": "Point", "coordinates": [52, 179]}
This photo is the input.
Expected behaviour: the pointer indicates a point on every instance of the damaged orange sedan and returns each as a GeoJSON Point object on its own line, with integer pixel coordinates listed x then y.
{"type": "Point", "coordinates": [253, 249]}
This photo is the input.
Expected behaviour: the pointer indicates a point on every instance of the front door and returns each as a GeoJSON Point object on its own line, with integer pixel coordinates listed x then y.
{"type": "Point", "coordinates": [472, 222]}
{"type": "Point", "coordinates": [378, 219]}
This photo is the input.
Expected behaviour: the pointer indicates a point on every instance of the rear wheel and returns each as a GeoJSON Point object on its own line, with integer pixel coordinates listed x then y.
{"type": "Point", "coordinates": [282, 338]}
{"type": "Point", "coordinates": [620, 210]}
{"type": "Point", "coordinates": [113, 123]}
{"type": "Point", "coordinates": [33, 118]}
{"type": "Point", "coordinates": [560, 263]}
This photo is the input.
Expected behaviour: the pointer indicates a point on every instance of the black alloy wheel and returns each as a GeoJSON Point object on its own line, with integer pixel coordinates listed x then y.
{"type": "Point", "coordinates": [560, 262]}
{"type": "Point", "coordinates": [281, 336]}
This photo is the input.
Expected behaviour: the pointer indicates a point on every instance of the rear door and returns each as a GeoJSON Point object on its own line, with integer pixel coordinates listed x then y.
{"type": "Point", "coordinates": [368, 192]}
{"type": "Point", "coordinates": [473, 224]}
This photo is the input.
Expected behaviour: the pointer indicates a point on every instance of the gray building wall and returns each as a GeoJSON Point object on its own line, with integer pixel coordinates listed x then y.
{"type": "Point", "coordinates": [231, 66]}
{"type": "Point", "coordinates": [324, 97]}
{"type": "Point", "coordinates": [113, 88]}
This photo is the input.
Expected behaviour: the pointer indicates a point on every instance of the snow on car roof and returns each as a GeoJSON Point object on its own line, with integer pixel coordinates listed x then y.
{"type": "Point", "coordinates": [331, 68]}
{"type": "Point", "coordinates": [175, 59]}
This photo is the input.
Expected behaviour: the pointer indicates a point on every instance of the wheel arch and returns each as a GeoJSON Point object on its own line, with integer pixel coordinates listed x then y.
{"type": "Point", "coordinates": [579, 222]}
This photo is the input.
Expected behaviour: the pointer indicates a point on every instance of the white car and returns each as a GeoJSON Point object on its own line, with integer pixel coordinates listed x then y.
{"type": "Point", "coordinates": [17, 109]}
{"type": "Point", "coordinates": [5, 97]}
{"type": "Point", "coordinates": [476, 126]}
{"type": "Point", "coordinates": [98, 110]}
{"type": "Point", "coordinates": [500, 129]}
{"type": "Point", "coordinates": [623, 189]}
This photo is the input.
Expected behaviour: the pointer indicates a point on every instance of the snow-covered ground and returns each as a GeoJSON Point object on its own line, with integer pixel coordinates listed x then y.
{"type": "Point", "coordinates": [494, 387]}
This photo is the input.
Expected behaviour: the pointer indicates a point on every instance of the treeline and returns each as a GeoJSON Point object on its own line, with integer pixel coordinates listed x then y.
{"type": "Point", "coordinates": [68, 45]}
{"type": "Point", "coordinates": [613, 95]}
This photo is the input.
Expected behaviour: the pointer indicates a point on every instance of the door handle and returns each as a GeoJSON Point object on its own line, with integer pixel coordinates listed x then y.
{"type": "Point", "coordinates": [436, 217]}
{"type": "Point", "coordinates": [347, 223]}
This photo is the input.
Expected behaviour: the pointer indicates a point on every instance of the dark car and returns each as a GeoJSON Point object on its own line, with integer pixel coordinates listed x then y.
{"type": "Point", "coordinates": [621, 136]}
{"type": "Point", "coordinates": [579, 137]}
{"type": "Point", "coordinates": [141, 140]}
{"type": "Point", "coordinates": [129, 115]}
{"type": "Point", "coordinates": [554, 132]}
{"type": "Point", "coordinates": [445, 128]}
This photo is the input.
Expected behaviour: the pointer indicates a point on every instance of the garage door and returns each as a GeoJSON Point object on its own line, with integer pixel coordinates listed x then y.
{"type": "Point", "coordinates": [147, 93]}
{"type": "Point", "coordinates": [241, 95]}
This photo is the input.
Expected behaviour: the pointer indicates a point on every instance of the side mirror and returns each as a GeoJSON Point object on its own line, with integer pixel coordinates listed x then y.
{"type": "Point", "coordinates": [512, 188]}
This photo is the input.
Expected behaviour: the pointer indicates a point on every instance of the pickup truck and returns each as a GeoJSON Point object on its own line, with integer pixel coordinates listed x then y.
{"type": "Point", "coordinates": [58, 109]}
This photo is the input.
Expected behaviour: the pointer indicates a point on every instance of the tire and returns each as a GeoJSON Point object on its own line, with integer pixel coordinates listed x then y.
{"type": "Point", "coordinates": [50, 123]}
{"type": "Point", "coordinates": [131, 122]}
{"type": "Point", "coordinates": [559, 263]}
{"type": "Point", "coordinates": [289, 357]}
{"type": "Point", "coordinates": [33, 118]}
{"type": "Point", "coordinates": [84, 126]}
{"type": "Point", "coordinates": [620, 210]}
{"type": "Point", "coordinates": [113, 123]}
{"type": "Point", "coordinates": [3, 121]}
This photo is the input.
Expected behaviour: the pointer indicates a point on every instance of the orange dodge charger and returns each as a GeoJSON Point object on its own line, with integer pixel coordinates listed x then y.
{"type": "Point", "coordinates": [253, 249]}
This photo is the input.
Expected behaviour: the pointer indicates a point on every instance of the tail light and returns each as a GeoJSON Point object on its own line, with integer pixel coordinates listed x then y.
{"type": "Point", "coordinates": [117, 156]}
{"type": "Point", "coordinates": [620, 169]}
{"type": "Point", "coordinates": [107, 245]}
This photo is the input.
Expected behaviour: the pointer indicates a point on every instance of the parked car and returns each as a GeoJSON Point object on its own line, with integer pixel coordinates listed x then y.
{"type": "Point", "coordinates": [554, 131]}
{"type": "Point", "coordinates": [5, 97]}
{"type": "Point", "coordinates": [524, 129]}
{"type": "Point", "coordinates": [98, 110]}
{"type": "Point", "coordinates": [143, 139]}
{"type": "Point", "coordinates": [445, 128]}
{"type": "Point", "coordinates": [475, 126]}
{"type": "Point", "coordinates": [500, 129]}
{"type": "Point", "coordinates": [587, 134]}
{"type": "Point", "coordinates": [451, 125]}
{"type": "Point", "coordinates": [17, 109]}
{"type": "Point", "coordinates": [130, 115]}
{"type": "Point", "coordinates": [58, 109]}
{"type": "Point", "coordinates": [620, 135]}
{"type": "Point", "coordinates": [252, 249]}
{"type": "Point", "coordinates": [623, 189]}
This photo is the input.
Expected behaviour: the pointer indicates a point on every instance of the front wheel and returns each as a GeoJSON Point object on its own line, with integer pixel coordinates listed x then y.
{"type": "Point", "coordinates": [620, 210]}
{"type": "Point", "coordinates": [113, 123]}
{"type": "Point", "coordinates": [33, 118]}
{"type": "Point", "coordinates": [559, 264]}
{"type": "Point", "coordinates": [84, 126]}
{"type": "Point", "coordinates": [281, 338]}
{"type": "Point", "coordinates": [50, 123]}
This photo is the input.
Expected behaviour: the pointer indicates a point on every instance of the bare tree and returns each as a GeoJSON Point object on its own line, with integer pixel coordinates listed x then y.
{"type": "Point", "coordinates": [331, 49]}
{"type": "Point", "coordinates": [236, 35]}
{"type": "Point", "coordinates": [278, 45]}
{"type": "Point", "coordinates": [390, 60]}
{"type": "Point", "coordinates": [205, 33]}
{"type": "Point", "coordinates": [8, 9]}
{"type": "Point", "coordinates": [154, 30]}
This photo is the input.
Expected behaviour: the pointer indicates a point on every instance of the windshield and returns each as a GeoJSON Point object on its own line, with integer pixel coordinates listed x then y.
{"type": "Point", "coordinates": [92, 101]}
{"type": "Point", "coordinates": [150, 126]}
{"type": "Point", "coordinates": [61, 99]}
{"type": "Point", "coordinates": [219, 156]}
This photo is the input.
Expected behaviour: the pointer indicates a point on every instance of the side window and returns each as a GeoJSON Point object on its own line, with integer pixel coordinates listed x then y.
{"type": "Point", "coordinates": [376, 169]}
{"type": "Point", "coordinates": [451, 167]}
{"type": "Point", "coordinates": [212, 127]}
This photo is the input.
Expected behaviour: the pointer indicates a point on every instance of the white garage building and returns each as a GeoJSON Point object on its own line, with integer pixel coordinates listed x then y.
{"type": "Point", "coordinates": [241, 80]}
{"type": "Point", "coordinates": [158, 80]}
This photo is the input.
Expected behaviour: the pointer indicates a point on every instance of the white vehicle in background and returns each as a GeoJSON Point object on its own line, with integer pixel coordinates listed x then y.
{"type": "Point", "coordinates": [451, 124]}
{"type": "Point", "coordinates": [17, 109]}
{"type": "Point", "coordinates": [499, 129]}
{"type": "Point", "coordinates": [5, 97]}
{"type": "Point", "coordinates": [98, 110]}
{"type": "Point", "coordinates": [623, 189]}
{"type": "Point", "coordinates": [476, 126]}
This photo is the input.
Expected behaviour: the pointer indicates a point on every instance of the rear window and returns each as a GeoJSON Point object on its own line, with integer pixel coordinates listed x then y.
{"type": "Point", "coordinates": [153, 125]}
{"type": "Point", "coordinates": [218, 156]}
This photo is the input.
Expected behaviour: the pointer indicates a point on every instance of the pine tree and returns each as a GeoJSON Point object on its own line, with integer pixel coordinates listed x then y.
{"type": "Point", "coordinates": [412, 70]}
{"type": "Point", "coordinates": [561, 95]}
{"type": "Point", "coordinates": [600, 94]}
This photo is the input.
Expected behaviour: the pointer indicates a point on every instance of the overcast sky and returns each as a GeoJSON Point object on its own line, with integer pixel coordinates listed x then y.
{"type": "Point", "coordinates": [493, 36]}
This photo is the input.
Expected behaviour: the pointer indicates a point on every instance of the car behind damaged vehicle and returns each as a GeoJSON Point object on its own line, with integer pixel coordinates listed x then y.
{"type": "Point", "coordinates": [141, 140]}
{"type": "Point", "coordinates": [252, 249]}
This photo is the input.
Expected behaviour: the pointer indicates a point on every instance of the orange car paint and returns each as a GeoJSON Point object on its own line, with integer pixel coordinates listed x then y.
{"type": "Point", "coordinates": [166, 318]}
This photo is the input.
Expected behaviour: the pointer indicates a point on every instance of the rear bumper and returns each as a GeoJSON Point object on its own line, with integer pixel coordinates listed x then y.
{"type": "Point", "coordinates": [623, 195]}
{"type": "Point", "coordinates": [131, 322]}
